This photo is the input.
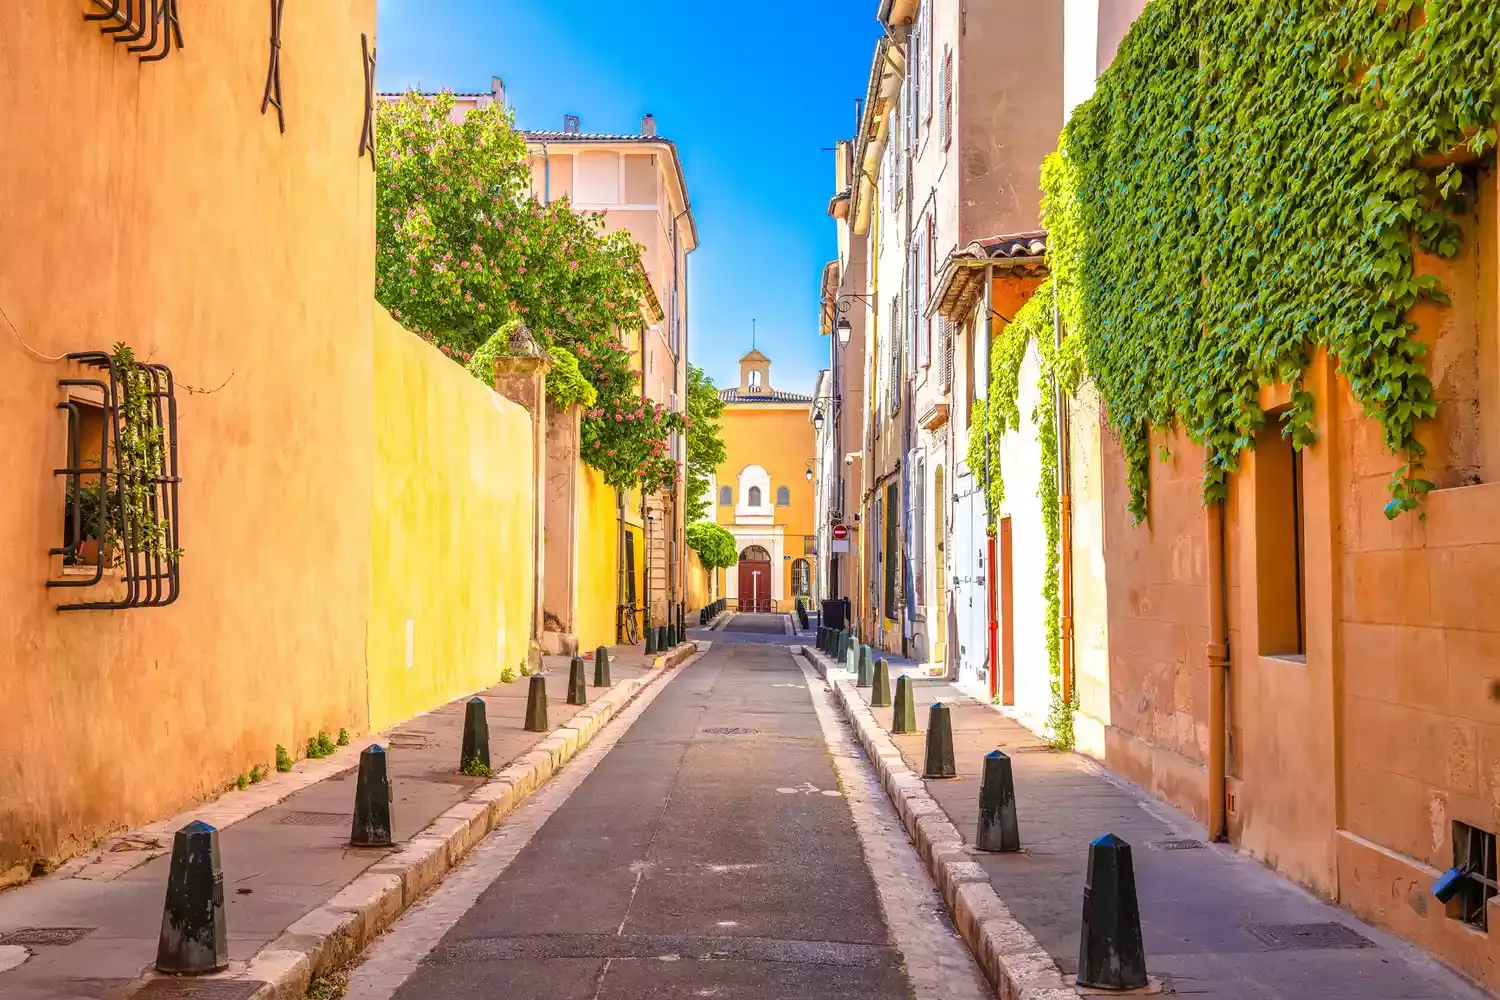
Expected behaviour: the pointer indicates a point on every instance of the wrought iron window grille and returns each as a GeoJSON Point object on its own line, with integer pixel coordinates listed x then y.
{"type": "Point", "coordinates": [148, 569]}
{"type": "Point", "coordinates": [130, 21]}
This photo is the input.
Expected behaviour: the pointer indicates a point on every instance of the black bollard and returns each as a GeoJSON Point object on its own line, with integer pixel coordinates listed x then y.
{"type": "Point", "coordinates": [536, 705]}
{"type": "Point", "coordinates": [998, 830]}
{"type": "Point", "coordinates": [1111, 954]}
{"type": "Point", "coordinates": [939, 761]}
{"type": "Point", "coordinates": [577, 694]}
{"type": "Point", "coordinates": [904, 718]}
{"type": "Point", "coordinates": [865, 675]}
{"type": "Point", "coordinates": [372, 800]}
{"type": "Point", "coordinates": [194, 937]}
{"type": "Point", "coordinates": [880, 697]}
{"type": "Point", "coordinates": [476, 734]}
{"type": "Point", "coordinates": [650, 640]}
{"type": "Point", "coordinates": [601, 667]}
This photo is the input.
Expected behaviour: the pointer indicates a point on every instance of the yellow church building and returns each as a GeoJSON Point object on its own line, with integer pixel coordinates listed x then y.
{"type": "Point", "coordinates": [762, 493]}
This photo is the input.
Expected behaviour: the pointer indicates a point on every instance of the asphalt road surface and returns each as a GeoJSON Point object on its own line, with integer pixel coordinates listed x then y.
{"type": "Point", "coordinates": [709, 852]}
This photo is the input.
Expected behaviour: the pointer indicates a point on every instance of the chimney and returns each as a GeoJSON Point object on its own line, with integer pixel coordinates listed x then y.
{"type": "Point", "coordinates": [648, 125]}
{"type": "Point", "coordinates": [570, 124]}
{"type": "Point", "coordinates": [497, 89]}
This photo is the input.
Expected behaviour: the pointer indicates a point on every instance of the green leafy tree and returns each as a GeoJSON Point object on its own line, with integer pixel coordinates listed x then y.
{"type": "Point", "coordinates": [714, 545]}
{"type": "Point", "coordinates": [463, 250]}
{"type": "Point", "coordinates": [705, 446]}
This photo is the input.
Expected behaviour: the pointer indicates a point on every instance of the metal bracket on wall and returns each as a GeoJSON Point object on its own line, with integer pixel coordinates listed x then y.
{"type": "Point", "coordinates": [273, 73]}
{"type": "Point", "coordinates": [130, 21]}
{"type": "Point", "coordinates": [149, 575]}
{"type": "Point", "coordinates": [367, 133]}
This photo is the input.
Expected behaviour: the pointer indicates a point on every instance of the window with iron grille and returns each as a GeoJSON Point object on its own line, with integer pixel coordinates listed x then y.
{"type": "Point", "coordinates": [1474, 851]}
{"type": "Point", "coordinates": [726, 496]}
{"type": "Point", "coordinates": [120, 520]}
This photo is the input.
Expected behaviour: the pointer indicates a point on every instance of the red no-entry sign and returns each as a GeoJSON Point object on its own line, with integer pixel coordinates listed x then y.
{"type": "Point", "coordinates": [840, 532]}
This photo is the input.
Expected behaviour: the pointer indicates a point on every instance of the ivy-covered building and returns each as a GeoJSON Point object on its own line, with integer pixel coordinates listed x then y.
{"type": "Point", "coordinates": [1228, 410]}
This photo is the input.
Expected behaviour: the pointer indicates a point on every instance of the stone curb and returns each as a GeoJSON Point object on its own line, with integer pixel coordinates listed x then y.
{"type": "Point", "coordinates": [336, 932]}
{"type": "Point", "coordinates": [1014, 962]}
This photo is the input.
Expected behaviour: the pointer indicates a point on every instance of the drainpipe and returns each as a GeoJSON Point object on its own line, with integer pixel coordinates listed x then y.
{"type": "Point", "coordinates": [621, 588]}
{"type": "Point", "coordinates": [1218, 669]}
{"type": "Point", "coordinates": [679, 567]}
{"type": "Point", "coordinates": [546, 174]}
{"type": "Point", "coordinates": [1065, 514]}
{"type": "Point", "coordinates": [645, 564]}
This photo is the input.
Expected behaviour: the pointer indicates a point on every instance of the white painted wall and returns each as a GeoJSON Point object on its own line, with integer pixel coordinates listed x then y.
{"type": "Point", "coordinates": [1080, 52]}
{"type": "Point", "coordinates": [1021, 460]}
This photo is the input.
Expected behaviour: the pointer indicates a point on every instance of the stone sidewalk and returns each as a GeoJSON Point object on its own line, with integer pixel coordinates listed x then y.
{"type": "Point", "coordinates": [298, 898]}
{"type": "Point", "coordinates": [1216, 923]}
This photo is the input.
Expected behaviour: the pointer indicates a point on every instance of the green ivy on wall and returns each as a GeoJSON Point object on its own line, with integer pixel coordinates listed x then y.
{"type": "Point", "coordinates": [1243, 189]}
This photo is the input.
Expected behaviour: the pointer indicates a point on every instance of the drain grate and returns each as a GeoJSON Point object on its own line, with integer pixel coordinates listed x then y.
{"type": "Point", "coordinates": [1177, 845]}
{"type": "Point", "coordinates": [1031, 748]}
{"type": "Point", "coordinates": [407, 743]}
{"type": "Point", "coordinates": [315, 819]}
{"type": "Point", "coordinates": [731, 731]}
{"type": "Point", "coordinates": [198, 989]}
{"type": "Point", "coordinates": [38, 936]}
{"type": "Point", "coordinates": [1308, 937]}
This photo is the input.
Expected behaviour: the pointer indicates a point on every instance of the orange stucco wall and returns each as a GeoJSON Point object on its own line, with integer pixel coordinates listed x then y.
{"type": "Point", "coordinates": [1347, 766]}
{"type": "Point", "coordinates": [154, 204]}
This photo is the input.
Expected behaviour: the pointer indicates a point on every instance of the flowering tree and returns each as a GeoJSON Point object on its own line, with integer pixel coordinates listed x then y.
{"type": "Point", "coordinates": [463, 249]}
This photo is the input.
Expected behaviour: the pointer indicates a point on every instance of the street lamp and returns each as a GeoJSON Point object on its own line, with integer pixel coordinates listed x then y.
{"type": "Point", "coordinates": [842, 305]}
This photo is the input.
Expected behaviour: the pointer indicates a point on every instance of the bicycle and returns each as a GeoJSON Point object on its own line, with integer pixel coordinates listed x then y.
{"type": "Point", "coordinates": [629, 628]}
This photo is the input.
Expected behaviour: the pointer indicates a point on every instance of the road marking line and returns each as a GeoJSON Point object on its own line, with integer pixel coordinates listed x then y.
{"type": "Point", "coordinates": [391, 959]}
{"type": "Point", "coordinates": [938, 964]}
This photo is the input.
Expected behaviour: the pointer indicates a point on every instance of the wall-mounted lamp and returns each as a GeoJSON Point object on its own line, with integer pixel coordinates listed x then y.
{"type": "Point", "coordinates": [821, 408]}
{"type": "Point", "coordinates": [842, 305]}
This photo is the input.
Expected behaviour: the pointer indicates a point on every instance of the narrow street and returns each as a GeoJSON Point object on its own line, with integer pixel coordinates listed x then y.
{"type": "Point", "coordinates": [706, 847]}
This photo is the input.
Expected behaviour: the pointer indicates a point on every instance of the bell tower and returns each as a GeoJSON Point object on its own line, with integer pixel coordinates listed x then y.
{"type": "Point", "coordinates": [755, 374]}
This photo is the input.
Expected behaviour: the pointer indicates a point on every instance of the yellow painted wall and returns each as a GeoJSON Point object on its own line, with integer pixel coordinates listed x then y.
{"type": "Point", "coordinates": [699, 587]}
{"type": "Point", "coordinates": [779, 438]}
{"type": "Point", "coordinates": [598, 559]}
{"type": "Point", "coordinates": [450, 601]}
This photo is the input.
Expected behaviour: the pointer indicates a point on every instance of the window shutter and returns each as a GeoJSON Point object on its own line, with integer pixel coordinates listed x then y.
{"type": "Point", "coordinates": [894, 363]}
{"type": "Point", "coordinates": [948, 345]}
{"type": "Point", "coordinates": [927, 96]}
{"type": "Point", "coordinates": [946, 127]}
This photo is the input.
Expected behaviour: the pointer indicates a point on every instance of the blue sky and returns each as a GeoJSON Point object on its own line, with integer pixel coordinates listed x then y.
{"type": "Point", "coordinates": [751, 94]}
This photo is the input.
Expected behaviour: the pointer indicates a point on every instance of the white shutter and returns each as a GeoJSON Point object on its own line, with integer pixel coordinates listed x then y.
{"type": "Point", "coordinates": [945, 125]}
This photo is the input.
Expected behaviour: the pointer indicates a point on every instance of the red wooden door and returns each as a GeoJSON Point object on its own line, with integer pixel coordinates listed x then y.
{"type": "Point", "coordinates": [754, 583]}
